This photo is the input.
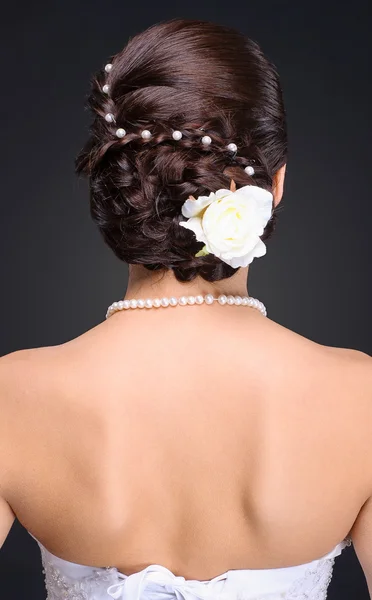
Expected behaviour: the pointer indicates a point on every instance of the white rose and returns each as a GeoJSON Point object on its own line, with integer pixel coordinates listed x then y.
{"type": "Point", "coordinates": [230, 223]}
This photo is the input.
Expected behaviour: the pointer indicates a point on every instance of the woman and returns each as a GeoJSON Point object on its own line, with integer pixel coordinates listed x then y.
{"type": "Point", "coordinates": [187, 446]}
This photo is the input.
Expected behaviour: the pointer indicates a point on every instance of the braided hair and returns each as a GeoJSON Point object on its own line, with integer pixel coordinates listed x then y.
{"type": "Point", "coordinates": [185, 107]}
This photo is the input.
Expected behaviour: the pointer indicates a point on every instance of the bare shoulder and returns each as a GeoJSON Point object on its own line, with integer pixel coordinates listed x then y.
{"type": "Point", "coordinates": [19, 374]}
{"type": "Point", "coordinates": [345, 377]}
{"type": "Point", "coordinates": [24, 374]}
{"type": "Point", "coordinates": [354, 357]}
{"type": "Point", "coordinates": [295, 342]}
{"type": "Point", "coordinates": [16, 366]}
{"type": "Point", "coordinates": [33, 380]}
{"type": "Point", "coordinates": [357, 366]}
{"type": "Point", "coordinates": [352, 368]}
{"type": "Point", "coordinates": [340, 377]}
{"type": "Point", "coordinates": [348, 368]}
{"type": "Point", "coordinates": [352, 371]}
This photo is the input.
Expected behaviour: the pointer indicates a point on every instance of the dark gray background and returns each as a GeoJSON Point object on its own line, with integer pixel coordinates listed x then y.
{"type": "Point", "coordinates": [57, 275]}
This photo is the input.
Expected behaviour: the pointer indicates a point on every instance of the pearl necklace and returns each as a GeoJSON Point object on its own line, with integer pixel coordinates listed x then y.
{"type": "Point", "coordinates": [184, 301]}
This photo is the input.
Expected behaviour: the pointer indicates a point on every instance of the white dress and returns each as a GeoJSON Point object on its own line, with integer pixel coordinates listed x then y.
{"type": "Point", "coordinates": [65, 580]}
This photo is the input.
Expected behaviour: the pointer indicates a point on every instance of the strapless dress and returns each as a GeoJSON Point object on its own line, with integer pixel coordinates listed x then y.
{"type": "Point", "coordinates": [66, 580]}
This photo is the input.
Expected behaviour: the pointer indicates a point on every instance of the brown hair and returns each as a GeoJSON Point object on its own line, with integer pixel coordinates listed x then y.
{"type": "Point", "coordinates": [202, 79]}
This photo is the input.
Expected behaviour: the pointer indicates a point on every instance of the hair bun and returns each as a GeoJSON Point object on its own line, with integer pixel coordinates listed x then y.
{"type": "Point", "coordinates": [173, 120]}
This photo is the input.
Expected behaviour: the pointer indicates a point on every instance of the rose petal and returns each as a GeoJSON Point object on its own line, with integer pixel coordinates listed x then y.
{"type": "Point", "coordinates": [222, 193]}
{"type": "Point", "coordinates": [261, 199]}
{"type": "Point", "coordinates": [230, 223]}
{"type": "Point", "coordinates": [243, 261]}
{"type": "Point", "coordinates": [192, 208]}
{"type": "Point", "coordinates": [194, 224]}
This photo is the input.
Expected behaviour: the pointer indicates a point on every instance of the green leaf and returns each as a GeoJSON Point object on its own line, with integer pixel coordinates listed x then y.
{"type": "Point", "coordinates": [202, 252]}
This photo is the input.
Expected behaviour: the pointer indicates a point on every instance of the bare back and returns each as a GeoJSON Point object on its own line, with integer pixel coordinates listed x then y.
{"type": "Point", "coordinates": [197, 438]}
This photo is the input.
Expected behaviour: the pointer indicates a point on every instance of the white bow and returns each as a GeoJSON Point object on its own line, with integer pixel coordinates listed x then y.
{"type": "Point", "coordinates": [171, 586]}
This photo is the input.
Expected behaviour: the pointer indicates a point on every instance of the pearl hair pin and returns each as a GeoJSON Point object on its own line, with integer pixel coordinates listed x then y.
{"type": "Point", "coordinates": [186, 300]}
{"type": "Point", "coordinates": [146, 134]}
{"type": "Point", "coordinates": [177, 135]}
{"type": "Point", "coordinates": [120, 133]}
{"type": "Point", "coordinates": [249, 170]}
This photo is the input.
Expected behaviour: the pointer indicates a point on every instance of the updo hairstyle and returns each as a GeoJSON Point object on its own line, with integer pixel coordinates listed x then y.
{"type": "Point", "coordinates": [198, 78]}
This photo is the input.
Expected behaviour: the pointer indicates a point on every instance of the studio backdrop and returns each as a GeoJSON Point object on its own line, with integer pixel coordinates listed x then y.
{"type": "Point", "coordinates": [57, 275]}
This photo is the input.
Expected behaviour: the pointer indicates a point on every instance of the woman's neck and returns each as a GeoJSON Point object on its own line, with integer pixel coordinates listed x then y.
{"type": "Point", "coordinates": [143, 283]}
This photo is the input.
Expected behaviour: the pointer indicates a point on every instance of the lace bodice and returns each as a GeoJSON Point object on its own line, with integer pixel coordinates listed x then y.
{"type": "Point", "coordinates": [65, 580]}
